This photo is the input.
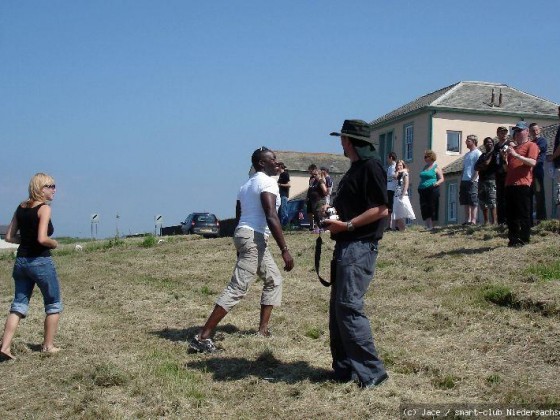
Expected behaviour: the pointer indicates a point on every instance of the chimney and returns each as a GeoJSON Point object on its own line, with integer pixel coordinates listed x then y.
{"type": "Point", "coordinates": [500, 98]}
{"type": "Point", "coordinates": [492, 100]}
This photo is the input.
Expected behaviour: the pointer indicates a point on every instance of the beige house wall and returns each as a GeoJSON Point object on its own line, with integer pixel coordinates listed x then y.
{"type": "Point", "coordinates": [435, 131]}
{"type": "Point", "coordinates": [481, 125]}
{"type": "Point", "coordinates": [298, 184]}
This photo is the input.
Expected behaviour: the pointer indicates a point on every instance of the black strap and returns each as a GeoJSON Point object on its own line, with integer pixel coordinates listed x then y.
{"type": "Point", "coordinates": [318, 244]}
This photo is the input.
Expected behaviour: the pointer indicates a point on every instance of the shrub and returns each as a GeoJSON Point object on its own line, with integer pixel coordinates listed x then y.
{"type": "Point", "coordinates": [149, 241]}
{"type": "Point", "coordinates": [500, 295]}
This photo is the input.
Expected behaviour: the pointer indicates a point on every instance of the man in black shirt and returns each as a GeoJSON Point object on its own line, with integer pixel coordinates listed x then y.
{"type": "Point", "coordinates": [503, 139]}
{"type": "Point", "coordinates": [486, 167]}
{"type": "Point", "coordinates": [361, 203]}
{"type": "Point", "coordinates": [284, 187]}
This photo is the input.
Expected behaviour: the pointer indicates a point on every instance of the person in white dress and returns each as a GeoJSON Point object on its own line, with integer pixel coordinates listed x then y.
{"type": "Point", "coordinates": [402, 209]}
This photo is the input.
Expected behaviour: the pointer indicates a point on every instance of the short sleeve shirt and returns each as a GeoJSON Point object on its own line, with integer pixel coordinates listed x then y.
{"type": "Point", "coordinates": [363, 187]}
{"type": "Point", "coordinates": [518, 173]}
{"type": "Point", "coordinates": [249, 196]}
{"type": "Point", "coordinates": [468, 164]}
{"type": "Point", "coordinates": [391, 181]}
{"type": "Point", "coordinates": [284, 178]}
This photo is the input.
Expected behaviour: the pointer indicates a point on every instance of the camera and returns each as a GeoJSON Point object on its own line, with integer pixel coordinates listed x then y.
{"type": "Point", "coordinates": [505, 148]}
{"type": "Point", "coordinates": [330, 214]}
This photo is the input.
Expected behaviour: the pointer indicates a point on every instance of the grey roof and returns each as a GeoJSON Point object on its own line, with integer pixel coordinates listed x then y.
{"type": "Point", "coordinates": [3, 229]}
{"type": "Point", "coordinates": [548, 132]}
{"type": "Point", "coordinates": [477, 97]}
{"type": "Point", "coordinates": [299, 161]}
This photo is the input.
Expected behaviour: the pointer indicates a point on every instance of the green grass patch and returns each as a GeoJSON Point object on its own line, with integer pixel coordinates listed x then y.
{"type": "Point", "coordinates": [445, 382]}
{"type": "Point", "coordinates": [499, 294]}
{"type": "Point", "coordinates": [493, 379]}
{"type": "Point", "coordinates": [206, 291]}
{"type": "Point", "coordinates": [149, 241]}
{"type": "Point", "coordinates": [546, 272]}
{"type": "Point", "coordinates": [314, 333]}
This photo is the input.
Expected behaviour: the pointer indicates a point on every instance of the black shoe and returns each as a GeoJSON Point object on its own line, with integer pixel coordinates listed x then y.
{"type": "Point", "coordinates": [343, 378]}
{"type": "Point", "coordinates": [374, 383]}
{"type": "Point", "coordinates": [516, 243]}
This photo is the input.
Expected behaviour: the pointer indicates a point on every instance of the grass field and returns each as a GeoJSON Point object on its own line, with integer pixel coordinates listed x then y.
{"type": "Point", "coordinates": [457, 316]}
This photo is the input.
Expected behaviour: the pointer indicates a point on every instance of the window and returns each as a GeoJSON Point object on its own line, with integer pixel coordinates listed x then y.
{"type": "Point", "coordinates": [454, 141]}
{"type": "Point", "coordinates": [385, 146]}
{"type": "Point", "coordinates": [452, 202]}
{"type": "Point", "coordinates": [408, 142]}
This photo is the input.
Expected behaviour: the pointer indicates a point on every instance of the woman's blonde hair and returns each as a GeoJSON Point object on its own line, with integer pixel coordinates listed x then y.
{"type": "Point", "coordinates": [403, 164]}
{"type": "Point", "coordinates": [430, 154]}
{"type": "Point", "coordinates": [36, 185]}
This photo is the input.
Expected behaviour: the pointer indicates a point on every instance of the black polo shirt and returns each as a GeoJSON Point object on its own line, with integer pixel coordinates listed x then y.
{"type": "Point", "coordinates": [363, 187]}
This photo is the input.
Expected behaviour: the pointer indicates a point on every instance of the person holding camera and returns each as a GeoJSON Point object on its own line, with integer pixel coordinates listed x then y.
{"type": "Point", "coordinates": [520, 158]}
{"type": "Point", "coordinates": [317, 194]}
{"type": "Point", "coordinates": [361, 203]}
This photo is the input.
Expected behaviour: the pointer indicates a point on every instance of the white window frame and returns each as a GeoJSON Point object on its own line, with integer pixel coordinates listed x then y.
{"type": "Point", "coordinates": [408, 142]}
{"type": "Point", "coordinates": [460, 141]}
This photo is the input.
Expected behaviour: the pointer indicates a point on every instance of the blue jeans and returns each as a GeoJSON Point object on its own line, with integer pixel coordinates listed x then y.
{"type": "Point", "coordinates": [283, 210]}
{"type": "Point", "coordinates": [29, 271]}
{"type": "Point", "coordinates": [351, 340]}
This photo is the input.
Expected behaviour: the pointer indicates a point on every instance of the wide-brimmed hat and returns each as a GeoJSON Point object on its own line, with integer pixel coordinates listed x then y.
{"type": "Point", "coordinates": [356, 129]}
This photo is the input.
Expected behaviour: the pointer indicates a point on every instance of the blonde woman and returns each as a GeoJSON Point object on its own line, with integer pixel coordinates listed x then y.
{"type": "Point", "coordinates": [402, 209]}
{"type": "Point", "coordinates": [431, 177]}
{"type": "Point", "coordinates": [34, 265]}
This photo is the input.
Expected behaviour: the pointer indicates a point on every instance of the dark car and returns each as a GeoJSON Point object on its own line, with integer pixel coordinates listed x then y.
{"type": "Point", "coordinates": [205, 224]}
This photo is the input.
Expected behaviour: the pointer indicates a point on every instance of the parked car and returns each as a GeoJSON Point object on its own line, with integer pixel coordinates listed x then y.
{"type": "Point", "coordinates": [205, 224]}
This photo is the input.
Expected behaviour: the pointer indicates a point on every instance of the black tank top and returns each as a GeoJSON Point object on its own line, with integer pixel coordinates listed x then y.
{"type": "Point", "coordinates": [28, 224]}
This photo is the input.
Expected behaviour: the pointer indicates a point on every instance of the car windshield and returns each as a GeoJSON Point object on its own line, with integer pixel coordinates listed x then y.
{"type": "Point", "coordinates": [205, 218]}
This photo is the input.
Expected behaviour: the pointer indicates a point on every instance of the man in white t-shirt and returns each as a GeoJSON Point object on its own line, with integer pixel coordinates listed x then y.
{"type": "Point", "coordinates": [468, 191]}
{"type": "Point", "coordinates": [257, 214]}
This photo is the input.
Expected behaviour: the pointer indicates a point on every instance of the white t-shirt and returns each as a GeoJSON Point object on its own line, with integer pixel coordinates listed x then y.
{"type": "Point", "coordinates": [468, 164]}
{"type": "Point", "coordinates": [252, 212]}
{"type": "Point", "coordinates": [391, 182]}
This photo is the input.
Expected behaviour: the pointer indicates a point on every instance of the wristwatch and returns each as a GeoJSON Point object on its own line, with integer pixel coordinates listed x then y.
{"type": "Point", "coordinates": [350, 226]}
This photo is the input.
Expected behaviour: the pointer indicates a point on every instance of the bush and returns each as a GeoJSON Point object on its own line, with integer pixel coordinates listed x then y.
{"type": "Point", "coordinates": [149, 241]}
{"type": "Point", "coordinates": [500, 295]}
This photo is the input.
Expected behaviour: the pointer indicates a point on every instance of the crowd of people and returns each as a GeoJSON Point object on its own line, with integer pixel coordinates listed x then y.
{"type": "Point", "coordinates": [505, 179]}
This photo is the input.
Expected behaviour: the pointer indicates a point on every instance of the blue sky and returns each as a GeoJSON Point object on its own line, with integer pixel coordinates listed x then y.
{"type": "Point", "coordinates": [144, 108]}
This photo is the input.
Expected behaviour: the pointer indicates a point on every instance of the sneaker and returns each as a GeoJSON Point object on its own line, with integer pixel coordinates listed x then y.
{"type": "Point", "coordinates": [202, 345]}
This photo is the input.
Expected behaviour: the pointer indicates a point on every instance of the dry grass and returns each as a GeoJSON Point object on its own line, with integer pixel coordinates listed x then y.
{"type": "Point", "coordinates": [457, 316]}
